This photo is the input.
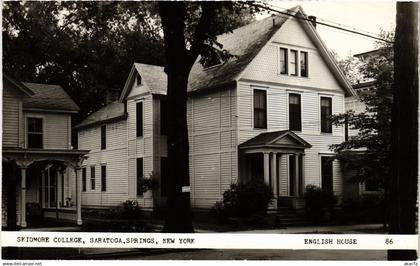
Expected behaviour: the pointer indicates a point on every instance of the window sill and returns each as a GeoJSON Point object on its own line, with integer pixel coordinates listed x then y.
{"type": "Point", "coordinates": [326, 133]}
{"type": "Point", "coordinates": [292, 76]}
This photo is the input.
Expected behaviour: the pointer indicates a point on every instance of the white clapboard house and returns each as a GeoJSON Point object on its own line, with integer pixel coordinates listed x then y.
{"type": "Point", "coordinates": [37, 156]}
{"type": "Point", "coordinates": [262, 114]}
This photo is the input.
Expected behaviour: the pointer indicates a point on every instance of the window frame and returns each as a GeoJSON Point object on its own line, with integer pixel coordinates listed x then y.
{"type": "Point", "coordinates": [103, 137]}
{"type": "Point", "coordinates": [139, 176]}
{"type": "Point", "coordinates": [139, 123]}
{"type": "Point", "coordinates": [285, 62]}
{"type": "Point", "coordinates": [299, 56]}
{"type": "Point", "coordinates": [84, 177]}
{"type": "Point", "coordinates": [264, 110]}
{"type": "Point", "coordinates": [305, 56]}
{"type": "Point", "coordinates": [92, 178]}
{"type": "Point", "coordinates": [296, 64]}
{"type": "Point", "coordinates": [321, 118]}
{"type": "Point", "coordinates": [299, 129]}
{"type": "Point", "coordinates": [138, 79]}
{"type": "Point", "coordinates": [330, 157]}
{"type": "Point", "coordinates": [103, 178]}
{"type": "Point", "coordinates": [42, 133]}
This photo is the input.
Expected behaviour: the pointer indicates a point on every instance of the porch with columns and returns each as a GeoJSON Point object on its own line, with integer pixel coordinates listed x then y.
{"type": "Point", "coordinates": [273, 147]}
{"type": "Point", "coordinates": [22, 160]}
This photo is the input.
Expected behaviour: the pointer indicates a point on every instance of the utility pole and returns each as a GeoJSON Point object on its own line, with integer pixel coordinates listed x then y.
{"type": "Point", "coordinates": [404, 128]}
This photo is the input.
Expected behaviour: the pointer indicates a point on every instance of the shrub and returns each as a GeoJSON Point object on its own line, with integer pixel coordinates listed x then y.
{"type": "Point", "coordinates": [130, 209]}
{"type": "Point", "coordinates": [244, 200]}
{"type": "Point", "coordinates": [318, 203]}
{"type": "Point", "coordinates": [150, 183]}
{"type": "Point", "coordinates": [365, 209]}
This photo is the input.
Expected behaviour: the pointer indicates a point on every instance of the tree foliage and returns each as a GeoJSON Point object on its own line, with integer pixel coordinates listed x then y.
{"type": "Point", "coordinates": [373, 125]}
{"type": "Point", "coordinates": [86, 47]}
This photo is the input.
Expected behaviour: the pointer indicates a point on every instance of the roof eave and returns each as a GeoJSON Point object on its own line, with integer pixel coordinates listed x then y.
{"type": "Point", "coordinates": [126, 88]}
{"type": "Point", "coordinates": [329, 59]}
{"type": "Point", "coordinates": [100, 122]}
{"type": "Point", "coordinates": [19, 85]}
{"type": "Point", "coordinates": [47, 110]}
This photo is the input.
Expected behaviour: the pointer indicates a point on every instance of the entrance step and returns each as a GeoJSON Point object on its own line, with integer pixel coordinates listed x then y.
{"type": "Point", "coordinates": [287, 217]}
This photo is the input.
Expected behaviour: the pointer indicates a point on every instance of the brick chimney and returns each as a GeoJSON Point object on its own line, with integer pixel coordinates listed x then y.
{"type": "Point", "coordinates": [313, 20]}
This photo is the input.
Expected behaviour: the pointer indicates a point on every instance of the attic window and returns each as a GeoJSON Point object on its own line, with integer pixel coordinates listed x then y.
{"type": "Point", "coordinates": [292, 62]}
{"type": "Point", "coordinates": [138, 79]}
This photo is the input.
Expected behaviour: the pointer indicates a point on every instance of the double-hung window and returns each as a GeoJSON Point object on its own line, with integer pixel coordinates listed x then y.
{"type": "Point", "coordinates": [293, 63]}
{"type": "Point", "coordinates": [103, 137]}
{"type": "Point", "coordinates": [92, 178]}
{"type": "Point", "coordinates": [84, 179]}
{"type": "Point", "coordinates": [327, 173]}
{"type": "Point", "coordinates": [283, 61]}
{"type": "Point", "coordinates": [103, 177]}
{"type": "Point", "coordinates": [139, 176]}
{"type": "Point", "coordinates": [35, 133]}
{"type": "Point", "coordinates": [295, 116]}
{"type": "Point", "coordinates": [139, 119]}
{"type": "Point", "coordinates": [260, 109]}
{"type": "Point", "coordinates": [303, 64]}
{"type": "Point", "coordinates": [326, 112]}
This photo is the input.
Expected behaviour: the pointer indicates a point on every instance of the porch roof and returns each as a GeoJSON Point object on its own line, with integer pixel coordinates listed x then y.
{"type": "Point", "coordinates": [73, 156]}
{"type": "Point", "coordinates": [283, 139]}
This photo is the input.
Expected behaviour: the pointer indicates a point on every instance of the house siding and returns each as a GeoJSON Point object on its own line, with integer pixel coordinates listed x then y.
{"type": "Point", "coordinates": [277, 119]}
{"type": "Point", "coordinates": [140, 147]}
{"type": "Point", "coordinates": [56, 129]}
{"type": "Point", "coordinates": [262, 73]}
{"type": "Point", "coordinates": [213, 146]}
{"type": "Point", "coordinates": [12, 108]}
{"type": "Point", "coordinates": [115, 159]}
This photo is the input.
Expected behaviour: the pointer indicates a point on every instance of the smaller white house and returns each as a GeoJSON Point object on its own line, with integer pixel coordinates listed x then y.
{"type": "Point", "coordinates": [38, 160]}
{"type": "Point", "coordinates": [355, 104]}
{"type": "Point", "coordinates": [263, 114]}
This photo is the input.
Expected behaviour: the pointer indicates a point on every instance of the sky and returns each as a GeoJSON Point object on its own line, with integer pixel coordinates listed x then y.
{"type": "Point", "coordinates": [368, 16]}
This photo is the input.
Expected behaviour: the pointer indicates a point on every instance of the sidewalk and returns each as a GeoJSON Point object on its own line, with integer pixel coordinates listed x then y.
{"type": "Point", "coordinates": [336, 229]}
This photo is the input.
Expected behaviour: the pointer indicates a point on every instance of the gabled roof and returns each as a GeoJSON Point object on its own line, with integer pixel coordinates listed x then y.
{"type": "Point", "coordinates": [19, 85]}
{"type": "Point", "coordinates": [153, 76]}
{"type": "Point", "coordinates": [110, 113]}
{"type": "Point", "coordinates": [49, 97]}
{"type": "Point", "coordinates": [246, 42]}
{"type": "Point", "coordinates": [276, 139]}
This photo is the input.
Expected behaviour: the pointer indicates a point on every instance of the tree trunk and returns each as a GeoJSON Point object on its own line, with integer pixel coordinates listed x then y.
{"type": "Point", "coordinates": [178, 214]}
{"type": "Point", "coordinates": [178, 208]}
{"type": "Point", "coordinates": [404, 139]}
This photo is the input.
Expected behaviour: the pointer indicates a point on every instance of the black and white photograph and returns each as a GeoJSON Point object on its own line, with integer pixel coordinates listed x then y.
{"type": "Point", "coordinates": [209, 131]}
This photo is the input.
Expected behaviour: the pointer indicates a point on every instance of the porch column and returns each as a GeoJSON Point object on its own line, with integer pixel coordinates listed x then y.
{"type": "Point", "coordinates": [296, 186]}
{"type": "Point", "coordinates": [274, 178]}
{"type": "Point", "coordinates": [266, 168]}
{"type": "Point", "coordinates": [303, 173]}
{"type": "Point", "coordinates": [23, 196]}
{"type": "Point", "coordinates": [78, 195]}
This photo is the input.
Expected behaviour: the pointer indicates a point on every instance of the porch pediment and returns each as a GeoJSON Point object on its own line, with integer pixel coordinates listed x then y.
{"type": "Point", "coordinates": [284, 140]}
